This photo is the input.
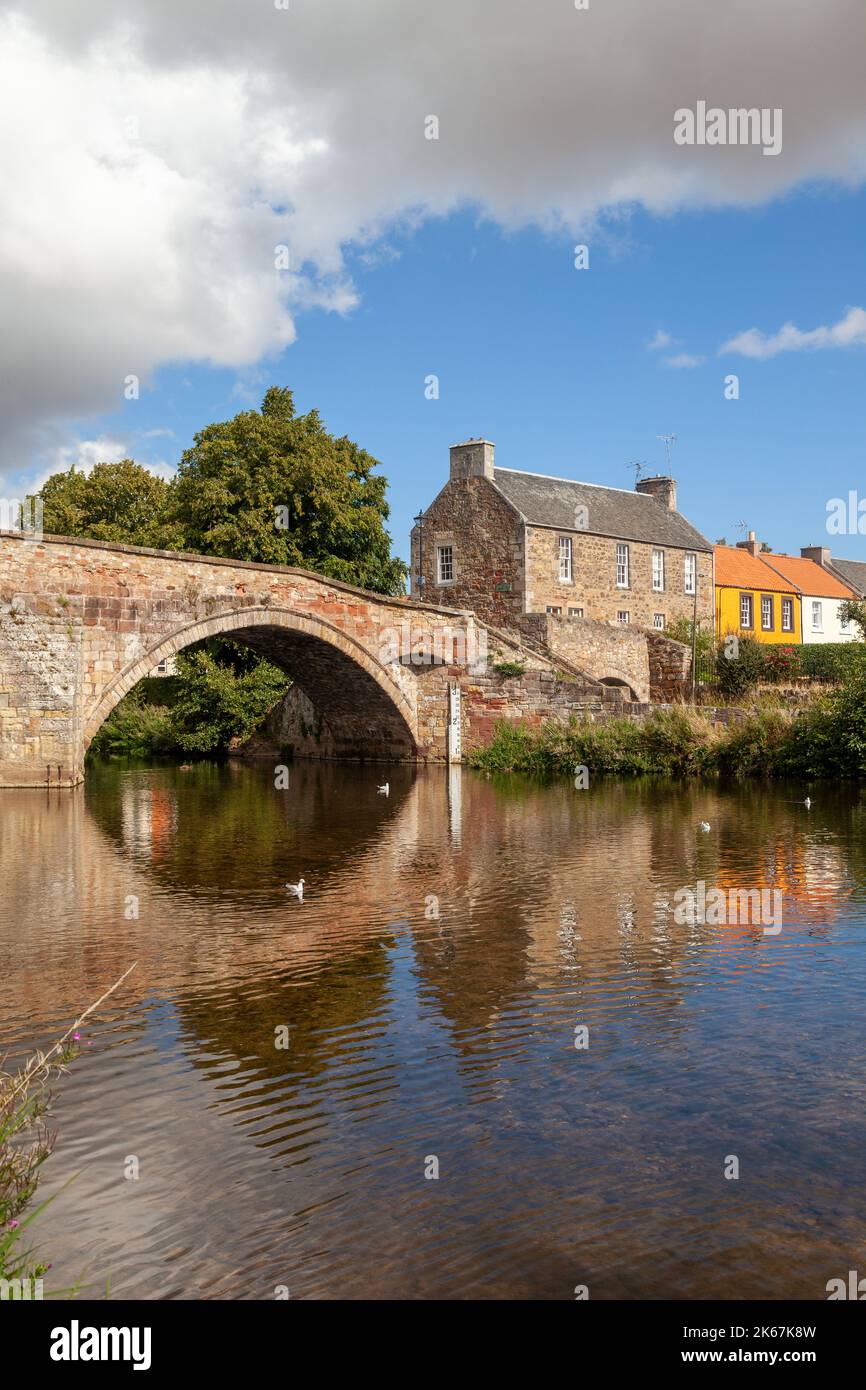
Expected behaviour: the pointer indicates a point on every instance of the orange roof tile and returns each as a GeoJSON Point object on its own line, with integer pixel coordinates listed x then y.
{"type": "Point", "coordinates": [737, 569]}
{"type": "Point", "coordinates": [809, 576]}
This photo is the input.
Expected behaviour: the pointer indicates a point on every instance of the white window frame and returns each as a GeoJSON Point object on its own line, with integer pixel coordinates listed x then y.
{"type": "Point", "coordinates": [690, 575]}
{"type": "Point", "coordinates": [444, 566]}
{"type": "Point", "coordinates": [817, 611]}
{"type": "Point", "coordinates": [622, 565]}
{"type": "Point", "coordinates": [623, 617]}
{"type": "Point", "coordinates": [748, 601]}
{"type": "Point", "coordinates": [658, 571]}
{"type": "Point", "coordinates": [565, 560]}
{"type": "Point", "coordinates": [658, 622]}
{"type": "Point", "coordinates": [554, 610]}
{"type": "Point", "coordinates": [788, 610]}
{"type": "Point", "coordinates": [575, 612]}
{"type": "Point", "coordinates": [768, 599]}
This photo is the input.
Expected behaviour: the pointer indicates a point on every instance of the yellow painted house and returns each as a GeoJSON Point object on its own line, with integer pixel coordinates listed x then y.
{"type": "Point", "coordinates": [753, 599]}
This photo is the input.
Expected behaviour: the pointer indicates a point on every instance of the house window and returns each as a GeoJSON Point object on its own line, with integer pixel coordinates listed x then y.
{"type": "Point", "coordinates": [575, 612]}
{"type": "Point", "coordinates": [658, 621]}
{"type": "Point", "coordinates": [552, 609]}
{"type": "Point", "coordinates": [622, 567]}
{"type": "Point", "coordinates": [445, 563]}
{"type": "Point", "coordinates": [565, 559]}
{"type": "Point", "coordinates": [691, 572]}
{"type": "Point", "coordinates": [766, 612]}
{"type": "Point", "coordinates": [745, 610]}
{"type": "Point", "coordinates": [622, 617]}
{"type": "Point", "coordinates": [658, 571]}
{"type": "Point", "coordinates": [787, 615]}
{"type": "Point", "coordinates": [817, 616]}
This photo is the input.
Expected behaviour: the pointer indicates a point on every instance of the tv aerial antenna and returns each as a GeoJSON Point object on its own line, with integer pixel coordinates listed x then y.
{"type": "Point", "coordinates": [637, 465]}
{"type": "Point", "coordinates": [669, 440]}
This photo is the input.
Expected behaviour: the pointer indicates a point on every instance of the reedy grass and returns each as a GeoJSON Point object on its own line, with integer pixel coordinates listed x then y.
{"type": "Point", "coordinates": [26, 1142]}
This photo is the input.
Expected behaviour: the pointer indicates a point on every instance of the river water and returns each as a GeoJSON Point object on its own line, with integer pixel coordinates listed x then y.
{"type": "Point", "coordinates": [286, 1077]}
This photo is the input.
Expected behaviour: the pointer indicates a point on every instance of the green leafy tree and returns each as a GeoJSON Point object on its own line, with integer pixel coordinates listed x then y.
{"type": "Point", "coordinates": [222, 692]}
{"type": "Point", "coordinates": [276, 487]}
{"type": "Point", "coordinates": [853, 610]}
{"type": "Point", "coordinates": [123, 503]}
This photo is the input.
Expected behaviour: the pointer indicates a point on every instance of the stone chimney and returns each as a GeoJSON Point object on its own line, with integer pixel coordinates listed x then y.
{"type": "Point", "coordinates": [752, 544]}
{"type": "Point", "coordinates": [474, 459]}
{"type": "Point", "coordinates": [663, 489]}
{"type": "Point", "coordinates": [819, 553]}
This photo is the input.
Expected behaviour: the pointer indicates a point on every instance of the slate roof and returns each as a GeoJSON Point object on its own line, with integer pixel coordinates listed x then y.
{"type": "Point", "coordinates": [611, 511]}
{"type": "Point", "coordinates": [853, 571]}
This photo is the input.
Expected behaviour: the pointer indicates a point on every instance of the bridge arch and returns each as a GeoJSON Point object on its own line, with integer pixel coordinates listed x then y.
{"type": "Point", "coordinates": [619, 680]}
{"type": "Point", "coordinates": [367, 713]}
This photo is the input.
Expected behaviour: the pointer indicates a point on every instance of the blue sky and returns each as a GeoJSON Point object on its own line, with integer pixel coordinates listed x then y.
{"type": "Point", "coordinates": [152, 163]}
{"type": "Point", "coordinates": [553, 363]}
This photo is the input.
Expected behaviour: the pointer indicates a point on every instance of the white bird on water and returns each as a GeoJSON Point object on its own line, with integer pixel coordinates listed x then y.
{"type": "Point", "coordinates": [296, 888]}
{"type": "Point", "coordinates": [384, 791]}
{"type": "Point", "coordinates": [808, 802]}
{"type": "Point", "coordinates": [705, 826]}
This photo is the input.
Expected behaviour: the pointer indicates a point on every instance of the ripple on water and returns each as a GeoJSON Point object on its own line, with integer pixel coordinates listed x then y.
{"type": "Point", "coordinates": [286, 1075]}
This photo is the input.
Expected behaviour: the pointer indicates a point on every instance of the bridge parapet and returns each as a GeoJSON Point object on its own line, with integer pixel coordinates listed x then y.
{"type": "Point", "coordinates": [82, 621]}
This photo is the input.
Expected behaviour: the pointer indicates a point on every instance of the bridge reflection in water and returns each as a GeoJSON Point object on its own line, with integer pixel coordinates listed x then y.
{"type": "Point", "coordinates": [453, 937]}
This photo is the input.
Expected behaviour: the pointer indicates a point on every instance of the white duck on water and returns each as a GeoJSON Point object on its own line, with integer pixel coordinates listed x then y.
{"type": "Point", "coordinates": [384, 791]}
{"type": "Point", "coordinates": [296, 888]}
{"type": "Point", "coordinates": [705, 826]}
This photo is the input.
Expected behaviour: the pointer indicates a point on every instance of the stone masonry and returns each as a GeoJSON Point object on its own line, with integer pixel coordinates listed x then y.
{"type": "Point", "coordinates": [595, 574]}
{"type": "Point", "coordinates": [82, 622]}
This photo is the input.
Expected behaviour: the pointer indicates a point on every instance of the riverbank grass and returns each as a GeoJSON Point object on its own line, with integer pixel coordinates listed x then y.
{"type": "Point", "coordinates": [825, 739]}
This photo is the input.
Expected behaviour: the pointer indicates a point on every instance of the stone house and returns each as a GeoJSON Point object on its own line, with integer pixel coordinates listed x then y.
{"type": "Point", "coordinates": [586, 569]}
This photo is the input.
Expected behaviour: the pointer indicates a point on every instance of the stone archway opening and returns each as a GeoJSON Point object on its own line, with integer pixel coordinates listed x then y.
{"type": "Point", "coordinates": [361, 713]}
{"type": "Point", "coordinates": [618, 683]}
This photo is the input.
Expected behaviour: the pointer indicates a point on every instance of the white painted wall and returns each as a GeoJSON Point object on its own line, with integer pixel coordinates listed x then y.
{"type": "Point", "coordinates": [831, 628]}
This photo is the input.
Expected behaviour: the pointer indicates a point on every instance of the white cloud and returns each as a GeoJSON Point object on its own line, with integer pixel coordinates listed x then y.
{"type": "Point", "coordinates": [120, 253]}
{"type": "Point", "coordinates": [84, 453]}
{"type": "Point", "coordinates": [661, 340]}
{"type": "Point", "coordinates": [850, 331]}
{"type": "Point", "coordinates": [685, 360]}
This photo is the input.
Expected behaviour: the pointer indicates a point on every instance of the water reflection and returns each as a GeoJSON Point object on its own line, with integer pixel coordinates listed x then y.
{"type": "Point", "coordinates": [453, 937]}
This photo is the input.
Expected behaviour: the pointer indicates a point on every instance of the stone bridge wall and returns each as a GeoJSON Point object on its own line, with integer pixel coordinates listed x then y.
{"type": "Point", "coordinates": [611, 653]}
{"type": "Point", "coordinates": [81, 622]}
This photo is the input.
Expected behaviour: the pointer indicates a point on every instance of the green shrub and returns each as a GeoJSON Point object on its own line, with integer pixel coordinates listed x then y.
{"type": "Point", "coordinates": [221, 692]}
{"type": "Point", "coordinates": [673, 743]}
{"type": "Point", "coordinates": [135, 729]}
{"type": "Point", "coordinates": [740, 664]}
{"type": "Point", "coordinates": [830, 662]}
{"type": "Point", "coordinates": [782, 664]}
{"type": "Point", "coordinates": [825, 740]}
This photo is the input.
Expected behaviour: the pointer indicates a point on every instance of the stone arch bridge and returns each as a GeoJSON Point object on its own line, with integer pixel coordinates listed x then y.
{"type": "Point", "coordinates": [81, 622]}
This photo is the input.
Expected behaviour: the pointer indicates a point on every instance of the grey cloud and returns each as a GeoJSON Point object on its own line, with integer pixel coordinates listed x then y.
{"type": "Point", "coordinates": [260, 126]}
